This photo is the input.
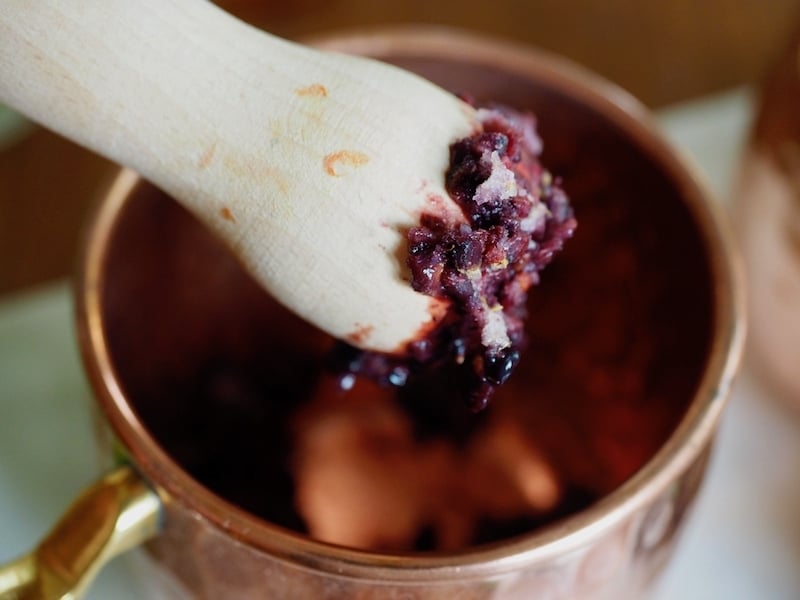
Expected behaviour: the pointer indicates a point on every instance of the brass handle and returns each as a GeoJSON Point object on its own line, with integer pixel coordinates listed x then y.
{"type": "Point", "coordinates": [115, 514]}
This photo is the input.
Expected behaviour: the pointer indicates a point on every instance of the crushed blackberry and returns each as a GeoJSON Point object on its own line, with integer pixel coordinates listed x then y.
{"type": "Point", "coordinates": [517, 217]}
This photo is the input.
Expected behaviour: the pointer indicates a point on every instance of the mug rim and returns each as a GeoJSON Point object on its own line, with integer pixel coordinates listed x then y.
{"type": "Point", "coordinates": [676, 455]}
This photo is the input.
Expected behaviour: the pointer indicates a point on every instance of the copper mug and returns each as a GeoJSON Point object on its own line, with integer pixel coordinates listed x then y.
{"type": "Point", "coordinates": [158, 301]}
{"type": "Point", "coordinates": [766, 216]}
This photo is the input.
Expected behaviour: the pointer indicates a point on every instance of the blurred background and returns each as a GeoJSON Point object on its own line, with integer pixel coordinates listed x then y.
{"type": "Point", "coordinates": [696, 62]}
{"type": "Point", "coordinates": [663, 52]}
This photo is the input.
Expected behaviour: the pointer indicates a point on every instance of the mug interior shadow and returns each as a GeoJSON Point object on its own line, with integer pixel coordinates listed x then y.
{"type": "Point", "coordinates": [620, 326]}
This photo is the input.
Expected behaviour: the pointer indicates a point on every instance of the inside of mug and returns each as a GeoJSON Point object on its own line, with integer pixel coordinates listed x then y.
{"type": "Point", "coordinates": [235, 388]}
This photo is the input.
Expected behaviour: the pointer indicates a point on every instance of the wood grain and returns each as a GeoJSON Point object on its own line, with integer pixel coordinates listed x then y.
{"type": "Point", "coordinates": [663, 52]}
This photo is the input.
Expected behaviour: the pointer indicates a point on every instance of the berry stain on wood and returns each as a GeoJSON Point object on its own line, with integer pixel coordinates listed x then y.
{"type": "Point", "coordinates": [349, 158]}
{"type": "Point", "coordinates": [315, 90]}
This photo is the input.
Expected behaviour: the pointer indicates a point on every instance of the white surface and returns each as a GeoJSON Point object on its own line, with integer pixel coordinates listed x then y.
{"type": "Point", "coordinates": [742, 541]}
{"type": "Point", "coordinates": [46, 442]}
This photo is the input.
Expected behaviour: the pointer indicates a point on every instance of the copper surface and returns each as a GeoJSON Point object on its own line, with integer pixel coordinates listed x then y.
{"type": "Point", "coordinates": [610, 550]}
{"type": "Point", "coordinates": [767, 219]}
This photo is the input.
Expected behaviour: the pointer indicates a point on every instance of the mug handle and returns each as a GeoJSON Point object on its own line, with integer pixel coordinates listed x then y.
{"type": "Point", "coordinates": [115, 514]}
